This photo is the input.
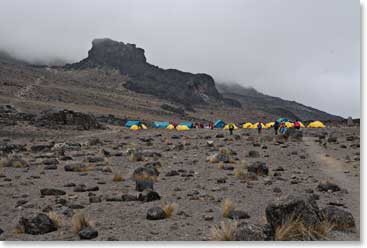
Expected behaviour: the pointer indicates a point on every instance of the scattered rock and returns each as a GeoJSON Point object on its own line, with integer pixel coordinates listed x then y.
{"type": "Point", "coordinates": [40, 224]}
{"type": "Point", "coordinates": [259, 168]}
{"type": "Point", "coordinates": [156, 213]}
{"type": "Point", "coordinates": [51, 191]}
{"type": "Point", "coordinates": [88, 233]}
{"type": "Point", "coordinates": [328, 186]}
{"type": "Point", "coordinates": [340, 218]}
{"type": "Point", "coordinates": [249, 232]}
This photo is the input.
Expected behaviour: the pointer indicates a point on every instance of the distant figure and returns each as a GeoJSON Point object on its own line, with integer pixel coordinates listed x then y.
{"type": "Point", "coordinates": [282, 128]}
{"type": "Point", "coordinates": [230, 128]}
{"type": "Point", "coordinates": [259, 127]}
{"type": "Point", "coordinates": [211, 125]}
{"type": "Point", "coordinates": [174, 124]}
{"type": "Point", "coordinates": [276, 127]}
{"type": "Point", "coordinates": [297, 124]}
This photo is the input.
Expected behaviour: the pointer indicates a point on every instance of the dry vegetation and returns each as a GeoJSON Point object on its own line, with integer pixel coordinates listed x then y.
{"type": "Point", "coordinates": [295, 229]}
{"type": "Point", "coordinates": [56, 219]}
{"type": "Point", "coordinates": [79, 222]}
{"type": "Point", "coordinates": [228, 206]}
{"type": "Point", "coordinates": [223, 232]}
{"type": "Point", "coordinates": [117, 177]}
{"type": "Point", "coordinates": [169, 208]}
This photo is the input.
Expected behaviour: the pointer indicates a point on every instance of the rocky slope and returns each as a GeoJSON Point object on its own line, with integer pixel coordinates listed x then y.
{"type": "Point", "coordinates": [252, 99]}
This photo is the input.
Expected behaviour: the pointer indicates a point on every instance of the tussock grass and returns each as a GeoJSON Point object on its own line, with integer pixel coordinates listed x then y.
{"type": "Point", "coordinates": [79, 221]}
{"type": "Point", "coordinates": [117, 177]}
{"type": "Point", "coordinates": [228, 206]}
{"type": "Point", "coordinates": [56, 219]}
{"type": "Point", "coordinates": [295, 229]}
{"type": "Point", "coordinates": [223, 232]}
{"type": "Point", "coordinates": [169, 208]}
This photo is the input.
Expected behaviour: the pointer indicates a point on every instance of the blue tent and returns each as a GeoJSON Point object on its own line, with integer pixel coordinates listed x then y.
{"type": "Point", "coordinates": [187, 123]}
{"type": "Point", "coordinates": [219, 124]}
{"type": "Point", "coordinates": [160, 124]}
{"type": "Point", "coordinates": [132, 123]}
{"type": "Point", "coordinates": [282, 120]}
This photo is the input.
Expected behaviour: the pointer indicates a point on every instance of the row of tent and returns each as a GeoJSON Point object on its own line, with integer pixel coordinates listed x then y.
{"type": "Point", "coordinates": [183, 126]}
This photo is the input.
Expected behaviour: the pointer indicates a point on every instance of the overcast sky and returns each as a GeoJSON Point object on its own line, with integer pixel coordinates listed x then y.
{"type": "Point", "coordinates": [303, 50]}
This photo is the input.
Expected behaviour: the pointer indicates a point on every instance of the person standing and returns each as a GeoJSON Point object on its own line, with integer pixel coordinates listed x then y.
{"type": "Point", "coordinates": [276, 127]}
{"type": "Point", "coordinates": [259, 127]}
{"type": "Point", "coordinates": [230, 128]}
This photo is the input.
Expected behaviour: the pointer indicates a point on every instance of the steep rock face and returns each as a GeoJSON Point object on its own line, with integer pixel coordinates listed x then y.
{"type": "Point", "coordinates": [175, 85]}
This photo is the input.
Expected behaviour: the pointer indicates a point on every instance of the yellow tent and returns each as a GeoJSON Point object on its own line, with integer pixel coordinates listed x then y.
{"type": "Point", "coordinates": [301, 124]}
{"type": "Point", "coordinates": [247, 125]}
{"type": "Point", "coordinates": [255, 125]}
{"type": "Point", "coordinates": [182, 128]}
{"type": "Point", "coordinates": [289, 124]}
{"type": "Point", "coordinates": [316, 124]}
{"type": "Point", "coordinates": [269, 124]}
{"type": "Point", "coordinates": [170, 126]}
{"type": "Point", "coordinates": [135, 127]}
{"type": "Point", "coordinates": [143, 126]}
{"type": "Point", "coordinates": [227, 126]}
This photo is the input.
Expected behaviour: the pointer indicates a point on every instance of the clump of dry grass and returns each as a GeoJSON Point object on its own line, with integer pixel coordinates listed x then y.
{"type": "Point", "coordinates": [169, 208]}
{"type": "Point", "coordinates": [295, 229]}
{"type": "Point", "coordinates": [117, 177]}
{"type": "Point", "coordinates": [79, 222]}
{"type": "Point", "coordinates": [228, 206]}
{"type": "Point", "coordinates": [223, 232]}
{"type": "Point", "coordinates": [240, 172]}
{"type": "Point", "coordinates": [56, 219]}
{"type": "Point", "coordinates": [144, 177]}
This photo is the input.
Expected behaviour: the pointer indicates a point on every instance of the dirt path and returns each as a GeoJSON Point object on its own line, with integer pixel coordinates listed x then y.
{"type": "Point", "coordinates": [334, 169]}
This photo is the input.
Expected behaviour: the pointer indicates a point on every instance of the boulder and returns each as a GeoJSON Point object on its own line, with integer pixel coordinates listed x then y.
{"type": "Point", "coordinates": [291, 207]}
{"type": "Point", "coordinates": [148, 195]}
{"type": "Point", "coordinates": [238, 214]}
{"type": "Point", "coordinates": [258, 167]}
{"type": "Point", "coordinates": [88, 233]}
{"type": "Point", "coordinates": [51, 191]}
{"type": "Point", "coordinates": [328, 186]}
{"type": "Point", "coordinates": [249, 232]}
{"type": "Point", "coordinates": [254, 154]}
{"type": "Point", "coordinates": [39, 224]}
{"type": "Point", "coordinates": [340, 218]}
{"type": "Point", "coordinates": [156, 213]}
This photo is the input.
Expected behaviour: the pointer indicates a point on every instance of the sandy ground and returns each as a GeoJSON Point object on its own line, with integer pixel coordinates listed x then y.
{"type": "Point", "coordinates": [199, 189]}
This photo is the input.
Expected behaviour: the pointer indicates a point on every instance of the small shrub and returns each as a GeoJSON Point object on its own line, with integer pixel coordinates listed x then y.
{"type": "Point", "coordinates": [223, 232]}
{"type": "Point", "coordinates": [56, 219]}
{"type": "Point", "coordinates": [169, 208]}
{"type": "Point", "coordinates": [117, 178]}
{"type": "Point", "coordinates": [228, 206]}
{"type": "Point", "coordinates": [79, 222]}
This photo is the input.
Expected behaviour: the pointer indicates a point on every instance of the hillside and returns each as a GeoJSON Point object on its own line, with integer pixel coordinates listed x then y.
{"type": "Point", "coordinates": [252, 99]}
{"type": "Point", "coordinates": [115, 79]}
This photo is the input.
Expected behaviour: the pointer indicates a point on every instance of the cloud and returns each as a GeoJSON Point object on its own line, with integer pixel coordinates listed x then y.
{"type": "Point", "coordinates": [308, 51]}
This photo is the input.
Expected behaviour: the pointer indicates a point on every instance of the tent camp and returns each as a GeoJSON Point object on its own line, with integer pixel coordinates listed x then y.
{"type": "Point", "coordinates": [247, 125]}
{"type": "Point", "coordinates": [269, 124]}
{"type": "Point", "coordinates": [255, 125]}
{"type": "Point", "coordinates": [227, 126]}
{"type": "Point", "coordinates": [160, 124]}
{"type": "Point", "coordinates": [182, 128]}
{"type": "Point", "coordinates": [316, 124]}
{"type": "Point", "coordinates": [289, 124]}
{"type": "Point", "coordinates": [187, 123]}
{"type": "Point", "coordinates": [170, 126]}
{"type": "Point", "coordinates": [219, 124]}
{"type": "Point", "coordinates": [132, 123]}
{"type": "Point", "coordinates": [135, 127]}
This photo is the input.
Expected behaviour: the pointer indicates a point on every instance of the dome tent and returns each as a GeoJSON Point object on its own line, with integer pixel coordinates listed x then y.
{"type": "Point", "coordinates": [247, 125]}
{"type": "Point", "coordinates": [227, 126]}
{"type": "Point", "coordinates": [132, 123]}
{"type": "Point", "coordinates": [316, 124]}
{"type": "Point", "coordinates": [187, 123]}
{"type": "Point", "coordinates": [269, 124]}
{"type": "Point", "coordinates": [219, 124]}
{"type": "Point", "coordinates": [160, 124]}
{"type": "Point", "coordinates": [135, 127]}
{"type": "Point", "coordinates": [182, 128]}
{"type": "Point", "coordinates": [170, 126]}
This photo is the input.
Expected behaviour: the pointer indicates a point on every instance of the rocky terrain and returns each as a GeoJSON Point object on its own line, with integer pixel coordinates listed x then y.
{"type": "Point", "coordinates": [67, 182]}
{"type": "Point", "coordinates": [70, 170]}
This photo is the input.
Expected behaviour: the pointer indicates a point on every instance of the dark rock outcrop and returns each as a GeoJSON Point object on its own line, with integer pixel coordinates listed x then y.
{"type": "Point", "coordinates": [40, 224]}
{"type": "Point", "coordinates": [175, 85]}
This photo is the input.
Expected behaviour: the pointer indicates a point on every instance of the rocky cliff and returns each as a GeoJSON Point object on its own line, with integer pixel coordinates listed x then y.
{"type": "Point", "coordinates": [182, 87]}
